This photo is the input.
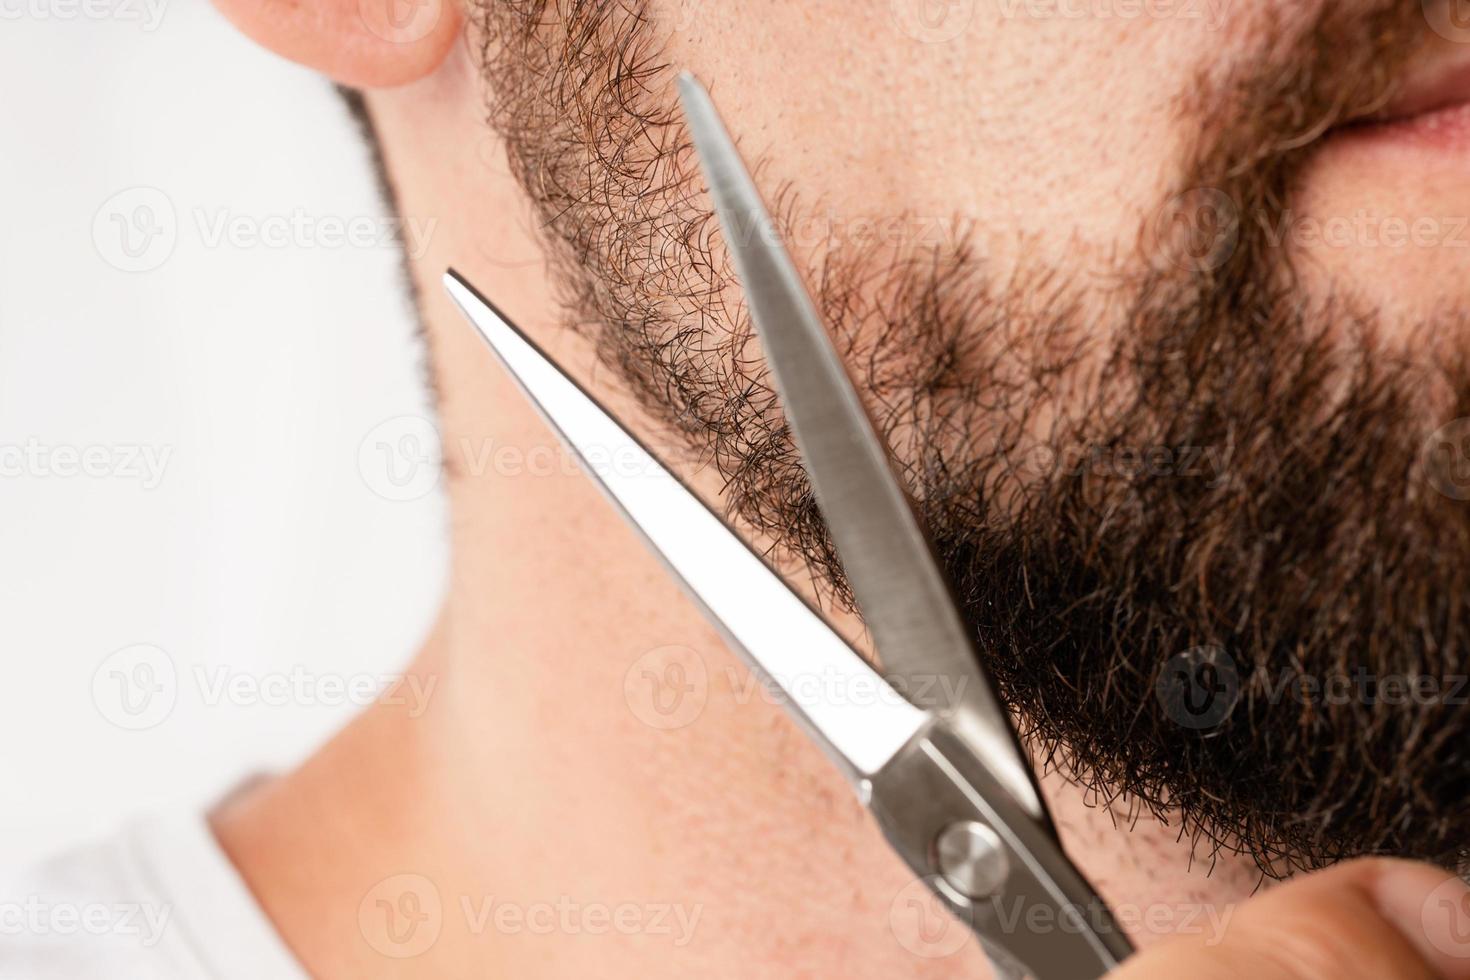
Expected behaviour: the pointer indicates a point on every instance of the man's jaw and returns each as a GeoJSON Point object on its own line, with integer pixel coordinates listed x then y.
{"type": "Point", "coordinates": [1104, 572]}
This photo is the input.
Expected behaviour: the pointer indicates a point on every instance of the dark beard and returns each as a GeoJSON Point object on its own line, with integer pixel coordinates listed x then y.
{"type": "Point", "coordinates": [1229, 514]}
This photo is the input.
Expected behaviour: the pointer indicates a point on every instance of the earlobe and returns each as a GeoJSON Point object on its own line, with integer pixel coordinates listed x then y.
{"type": "Point", "coordinates": [361, 43]}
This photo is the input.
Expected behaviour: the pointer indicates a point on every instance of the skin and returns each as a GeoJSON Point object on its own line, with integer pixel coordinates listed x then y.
{"type": "Point", "coordinates": [534, 774]}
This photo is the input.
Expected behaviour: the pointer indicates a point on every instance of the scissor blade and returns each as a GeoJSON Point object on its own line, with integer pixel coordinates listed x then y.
{"type": "Point", "coordinates": [845, 705]}
{"type": "Point", "coordinates": [905, 599]}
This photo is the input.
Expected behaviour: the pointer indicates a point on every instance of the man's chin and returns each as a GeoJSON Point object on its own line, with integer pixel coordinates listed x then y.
{"type": "Point", "coordinates": [1395, 233]}
{"type": "Point", "coordinates": [1266, 640]}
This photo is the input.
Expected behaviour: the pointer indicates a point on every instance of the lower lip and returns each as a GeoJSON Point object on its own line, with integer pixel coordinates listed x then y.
{"type": "Point", "coordinates": [1444, 130]}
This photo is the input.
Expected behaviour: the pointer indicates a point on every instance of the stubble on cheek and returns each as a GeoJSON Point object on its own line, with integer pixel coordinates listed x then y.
{"type": "Point", "coordinates": [1309, 549]}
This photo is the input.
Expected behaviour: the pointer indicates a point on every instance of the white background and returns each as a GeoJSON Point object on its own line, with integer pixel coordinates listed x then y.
{"type": "Point", "coordinates": [256, 368]}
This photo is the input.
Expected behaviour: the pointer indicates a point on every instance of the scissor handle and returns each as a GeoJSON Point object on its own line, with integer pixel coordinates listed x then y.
{"type": "Point", "coordinates": [1001, 871]}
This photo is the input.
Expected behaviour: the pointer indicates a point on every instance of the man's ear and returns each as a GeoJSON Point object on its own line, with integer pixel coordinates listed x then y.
{"type": "Point", "coordinates": [361, 43]}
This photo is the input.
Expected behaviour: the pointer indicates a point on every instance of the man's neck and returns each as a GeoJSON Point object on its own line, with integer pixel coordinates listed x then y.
{"type": "Point", "coordinates": [541, 816]}
{"type": "Point", "coordinates": [509, 822]}
{"type": "Point", "coordinates": [531, 818]}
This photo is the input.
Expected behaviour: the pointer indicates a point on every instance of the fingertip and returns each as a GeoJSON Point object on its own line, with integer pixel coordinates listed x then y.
{"type": "Point", "coordinates": [1431, 909]}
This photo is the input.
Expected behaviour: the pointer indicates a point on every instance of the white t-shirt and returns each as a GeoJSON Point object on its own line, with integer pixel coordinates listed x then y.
{"type": "Point", "coordinates": [159, 900]}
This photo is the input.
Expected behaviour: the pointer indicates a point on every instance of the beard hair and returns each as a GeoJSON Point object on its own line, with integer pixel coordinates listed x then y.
{"type": "Point", "coordinates": [1233, 478]}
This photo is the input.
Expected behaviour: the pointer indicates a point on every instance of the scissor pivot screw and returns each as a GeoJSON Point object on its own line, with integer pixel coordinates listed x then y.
{"type": "Point", "coordinates": [972, 859]}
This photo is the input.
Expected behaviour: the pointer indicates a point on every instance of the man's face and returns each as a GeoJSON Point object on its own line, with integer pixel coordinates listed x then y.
{"type": "Point", "coordinates": [1166, 345]}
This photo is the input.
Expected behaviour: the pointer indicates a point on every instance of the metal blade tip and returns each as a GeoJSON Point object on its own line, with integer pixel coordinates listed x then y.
{"type": "Point", "coordinates": [689, 86]}
{"type": "Point", "coordinates": [456, 286]}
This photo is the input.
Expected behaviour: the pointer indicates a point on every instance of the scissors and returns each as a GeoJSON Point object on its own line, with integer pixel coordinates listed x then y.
{"type": "Point", "coordinates": [926, 743]}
